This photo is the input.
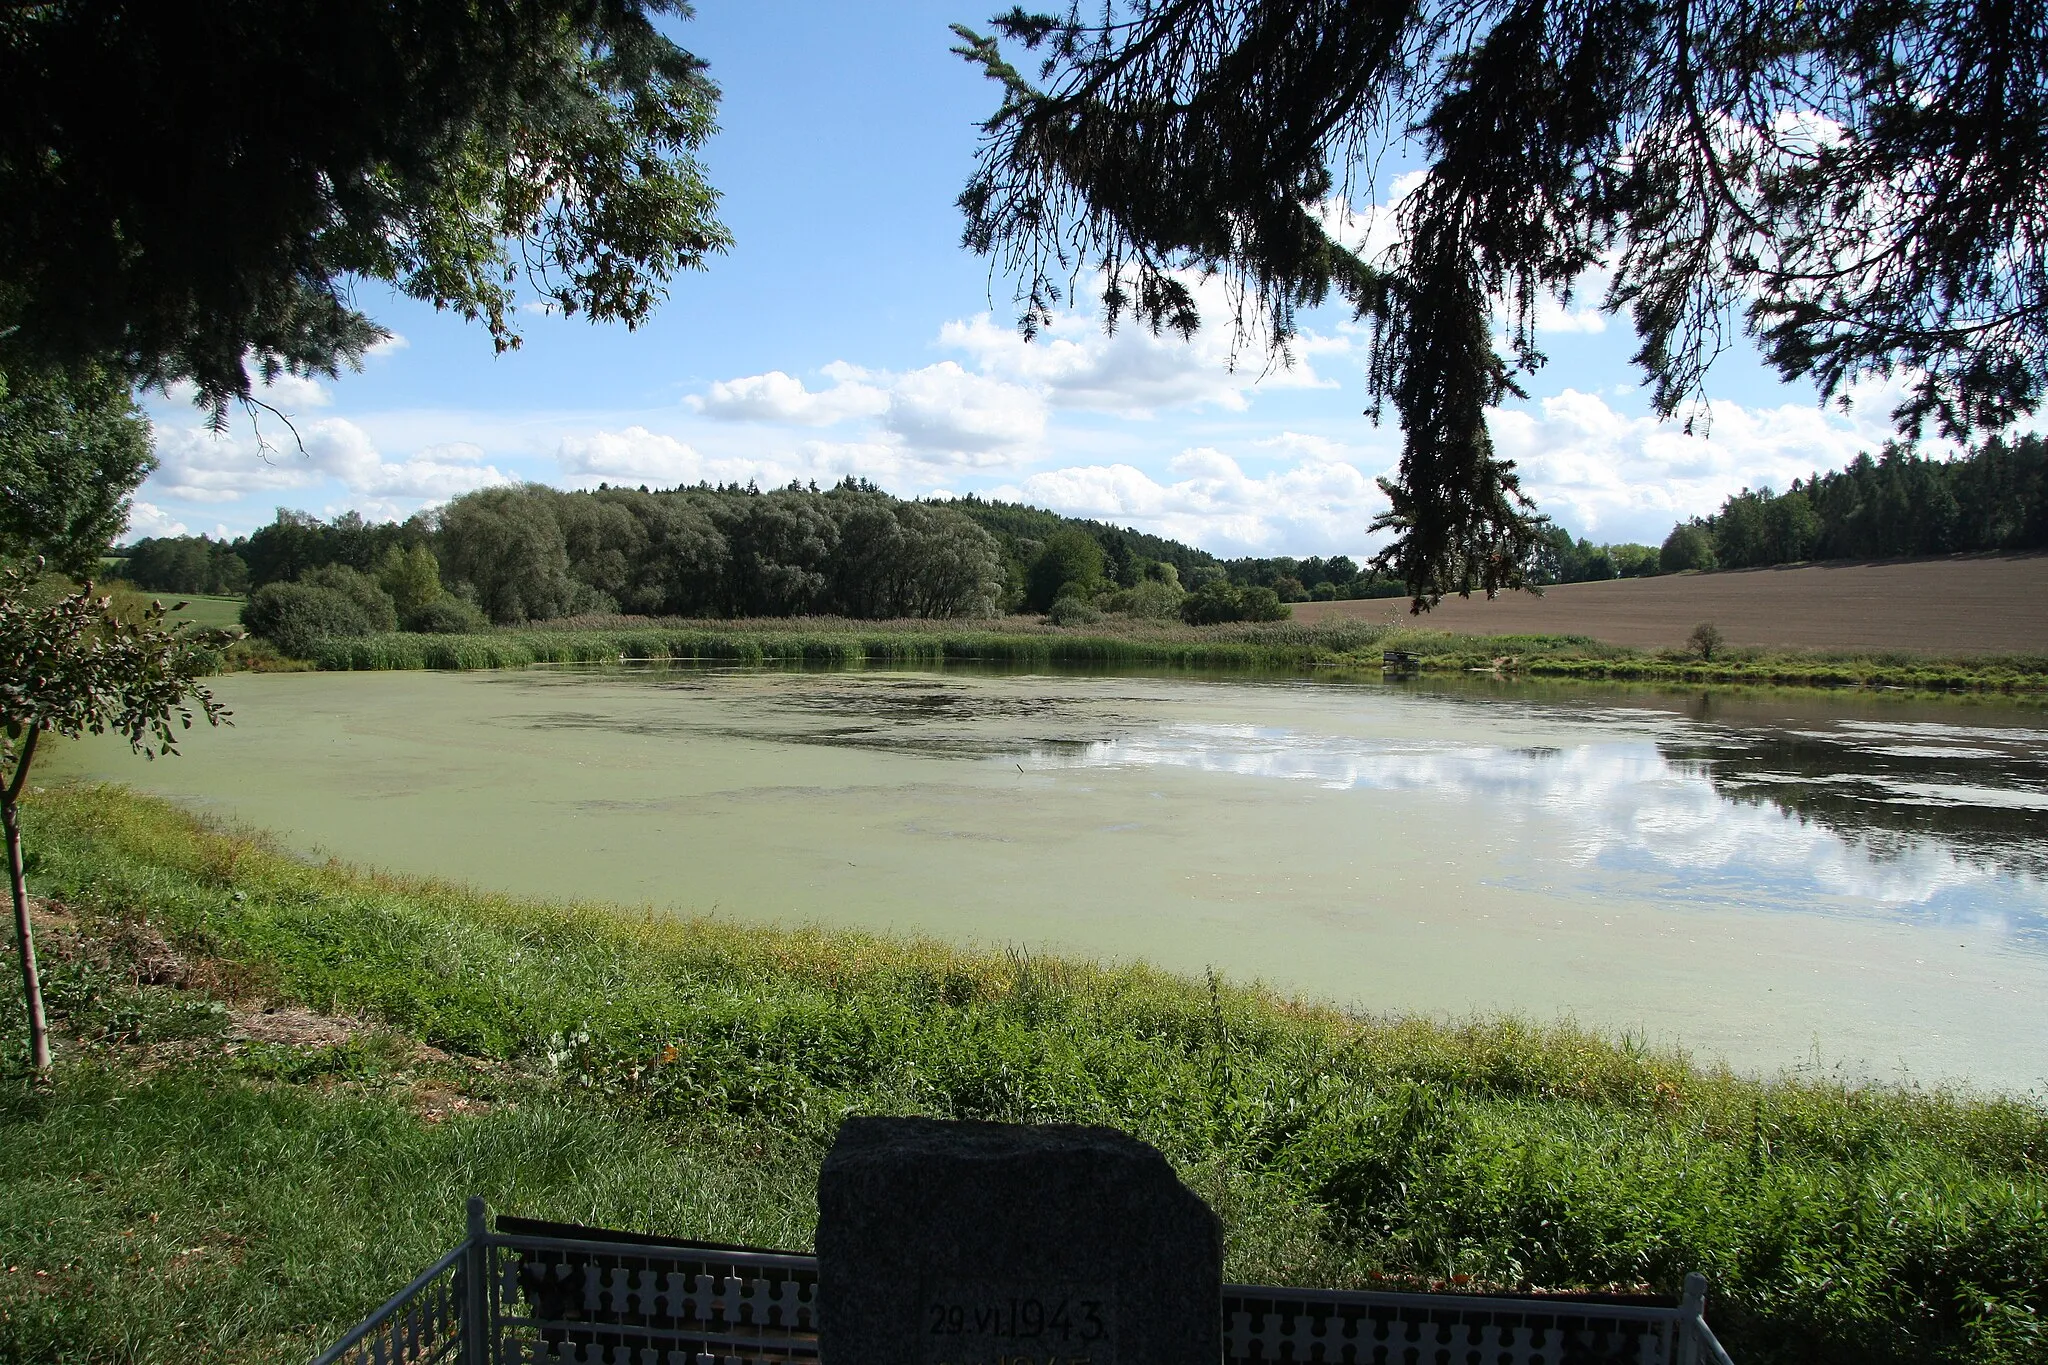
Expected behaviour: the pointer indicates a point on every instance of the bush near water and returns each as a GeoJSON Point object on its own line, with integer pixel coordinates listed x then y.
{"type": "Point", "coordinates": [180, 1192]}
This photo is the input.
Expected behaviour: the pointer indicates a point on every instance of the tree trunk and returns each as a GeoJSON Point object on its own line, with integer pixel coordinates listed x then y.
{"type": "Point", "coordinates": [24, 933]}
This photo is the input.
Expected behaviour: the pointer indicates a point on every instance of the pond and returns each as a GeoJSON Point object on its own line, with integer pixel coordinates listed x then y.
{"type": "Point", "coordinates": [1841, 882]}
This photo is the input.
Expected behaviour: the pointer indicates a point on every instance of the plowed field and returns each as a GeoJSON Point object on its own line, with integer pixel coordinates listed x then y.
{"type": "Point", "coordinates": [1976, 604]}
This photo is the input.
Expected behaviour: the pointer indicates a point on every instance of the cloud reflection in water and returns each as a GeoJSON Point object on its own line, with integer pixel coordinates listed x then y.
{"type": "Point", "coordinates": [1698, 814]}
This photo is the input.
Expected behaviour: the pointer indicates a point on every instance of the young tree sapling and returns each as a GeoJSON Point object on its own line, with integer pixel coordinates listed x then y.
{"type": "Point", "coordinates": [72, 667]}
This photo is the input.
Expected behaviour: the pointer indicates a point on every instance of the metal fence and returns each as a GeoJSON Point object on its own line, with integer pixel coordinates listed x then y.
{"type": "Point", "coordinates": [524, 1293]}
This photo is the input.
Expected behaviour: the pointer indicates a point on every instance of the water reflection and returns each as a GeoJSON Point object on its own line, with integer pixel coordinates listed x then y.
{"type": "Point", "coordinates": [1938, 823]}
{"type": "Point", "coordinates": [1982, 792]}
{"type": "Point", "coordinates": [1705, 801]}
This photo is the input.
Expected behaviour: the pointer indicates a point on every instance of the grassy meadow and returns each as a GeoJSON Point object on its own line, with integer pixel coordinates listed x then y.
{"type": "Point", "coordinates": [277, 1080]}
{"type": "Point", "coordinates": [1281, 645]}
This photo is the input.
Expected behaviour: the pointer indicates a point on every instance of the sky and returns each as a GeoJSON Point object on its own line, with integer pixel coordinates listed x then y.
{"type": "Point", "coordinates": [849, 333]}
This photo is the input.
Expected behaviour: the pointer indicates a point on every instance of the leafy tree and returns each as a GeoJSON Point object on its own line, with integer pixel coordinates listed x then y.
{"type": "Point", "coordinates": [1792, 526]}
{"type": "Point", "coordinates": [71, 667]}
{"type": "Point", "coordinates": [780, 544]}
{"type": "Point", "coordinates": [72, 448]}
{"type": "Point", "coordinates": [1635, 561]}
{"type": "Point", "coordinates": [725, 551]}
{"type": "Point", "coordinates": [1741, 532]}
{"type": "Point", "coordinates": [1862, 186]}
{"type": "Point", "coordinates": [1069, 556]}
{"type": "Point", "coordinates": [411, 578]}
{"type": "Point", "coordinates": [1704, 640]}
{"type": "Point", "coordinates": [508, 546]}
{"type": "Point", "coordinates": [186, 191]}
{"type": "Point", "coordinates": [185, 564]}
{"type": "Point", "coordinates": [950, 566]}
{"type": "Point", "coordinates": [1689, 546]}
{"type": "Point", "coordinates": [286, 549]}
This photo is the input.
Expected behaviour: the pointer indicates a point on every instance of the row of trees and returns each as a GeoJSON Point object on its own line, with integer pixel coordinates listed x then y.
{"type": "Point", "coordinates": [1895, 505]}
{"type": "Point", "coordinates": [1561, 559]}
{"type": "Point", "coordinates": [531, 552]}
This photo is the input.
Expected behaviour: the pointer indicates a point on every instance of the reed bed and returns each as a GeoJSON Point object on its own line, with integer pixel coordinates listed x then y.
{"type": "Point", "coordinates": [1137, 644]}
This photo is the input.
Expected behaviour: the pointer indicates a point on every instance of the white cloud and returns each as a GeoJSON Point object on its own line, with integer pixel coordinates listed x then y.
{"type": "Point", "coordinates": [389, 345]}
{"type": "Point", "coordinates": [635, 455]}
{"type": "Point", "coordinates": [197, 465]}
{"type": "Point", "coordinates": [945, 411]}
{"type": "Point", "coordinates": [941, 413]}
{"type": "Point", "coordinates": [1373, 231]}
{"type": "Point", "coordinates": [1552, 316]}
{"type": "Point", "coordinates": [1131, 372]}
{"type": "Point", "coordinates": [1320, 503]}
{"type": "Point", "coordinates": [147, 519]}
{"type": "Point", "coordinates": [1609, 475]}
{"type": "Point", "coordinates": [778, 397]}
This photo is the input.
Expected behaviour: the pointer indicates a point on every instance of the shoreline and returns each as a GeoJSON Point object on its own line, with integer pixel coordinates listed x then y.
{"type": "Point", "coordinates": [573, 1060]}
{"type": "Point", "coordinates": [1277, 648]}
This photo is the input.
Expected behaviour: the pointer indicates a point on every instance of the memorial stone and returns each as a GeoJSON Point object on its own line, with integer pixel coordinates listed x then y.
{"type": "Point", "coordinates": [957, 1243]}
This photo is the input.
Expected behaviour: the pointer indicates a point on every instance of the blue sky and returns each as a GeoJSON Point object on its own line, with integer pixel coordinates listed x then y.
{"type": "Point", "coordinates": [849, 333]}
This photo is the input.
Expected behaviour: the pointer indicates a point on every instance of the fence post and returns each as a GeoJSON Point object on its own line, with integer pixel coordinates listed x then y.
{"type": "Point", "coordinates": [1692, 1314]}
{"type": "Point", "coordinates": [477, 1346]}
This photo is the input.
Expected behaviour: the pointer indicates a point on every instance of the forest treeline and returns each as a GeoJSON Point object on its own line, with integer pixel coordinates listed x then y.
{"type": "Point", "coordinates": [1895, 505]}
{"type": "Point", "coordinates": [509, 555]}
{"type": "Point", "coordinates": [514, 554]}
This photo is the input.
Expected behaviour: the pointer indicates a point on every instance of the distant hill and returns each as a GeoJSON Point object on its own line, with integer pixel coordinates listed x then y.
{"type": "Point", "coordinates": [1015, 523]}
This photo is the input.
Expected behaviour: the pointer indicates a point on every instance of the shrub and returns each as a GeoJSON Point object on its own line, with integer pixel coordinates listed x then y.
{"type": "Point", "coordinates": [1216, 602]}
{"type": "Point", "coordinates": [1072, 609]}
{"type": "Point", "coordinates": [1211, 604]}
{"type": "Point", "coordinates": [445, 616]}
{"type": "Point", "coordinates": [412, 577]}
{"type": "Point", "coordinates": [1261, 604]}
{"type": "Point", "coordinates": [372, 601]}
{"type": "Point", "coordinates": [1152, 599]}
{"type": "Point", "coordinates": [1705, 639]}
{"type": "Point", "coordinates": [295, 617]}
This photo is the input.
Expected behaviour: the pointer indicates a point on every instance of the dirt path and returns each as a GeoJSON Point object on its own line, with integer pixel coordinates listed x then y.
{"type": "Point", "coordinates": [1976, 604]}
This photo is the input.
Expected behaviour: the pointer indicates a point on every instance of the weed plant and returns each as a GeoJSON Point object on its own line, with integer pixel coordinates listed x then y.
{"type": "Point", "coordinates": [686, 1075]}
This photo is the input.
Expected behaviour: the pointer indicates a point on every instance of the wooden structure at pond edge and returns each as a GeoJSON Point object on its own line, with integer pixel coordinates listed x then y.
{"type": "Point", "coordinates": [949, 1243]}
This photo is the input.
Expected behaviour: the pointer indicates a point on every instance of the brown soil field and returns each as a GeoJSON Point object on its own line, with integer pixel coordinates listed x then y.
{"type": "Point", "coordinates": [1967, 604]}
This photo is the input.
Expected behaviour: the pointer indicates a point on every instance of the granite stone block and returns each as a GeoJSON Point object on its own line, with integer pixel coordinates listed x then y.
{"type": "Point", "coordinates": [959, 1243]}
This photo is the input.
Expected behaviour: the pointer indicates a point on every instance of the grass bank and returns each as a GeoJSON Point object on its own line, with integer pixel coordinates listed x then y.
{"type": "Point", "coordinates": [1276, 646]}
{"type": "Point", "coordinates": [201, 1179]}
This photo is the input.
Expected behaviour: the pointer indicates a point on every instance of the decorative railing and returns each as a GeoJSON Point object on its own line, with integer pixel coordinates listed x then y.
{"type": "Point", "coordinates": [528, 1293]}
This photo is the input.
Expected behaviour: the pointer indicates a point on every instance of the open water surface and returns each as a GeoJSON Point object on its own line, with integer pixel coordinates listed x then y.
{"type": "Point", "coordinates": [1778, 881]}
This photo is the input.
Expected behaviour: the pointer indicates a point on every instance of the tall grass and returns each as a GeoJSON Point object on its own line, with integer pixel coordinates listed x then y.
{"type": "Point", "coordinates": [1124, 643]}
{"type": "Point", "coordinates": [750, 643]}
{"type": "Point", "coordinates": [1838, 1223]}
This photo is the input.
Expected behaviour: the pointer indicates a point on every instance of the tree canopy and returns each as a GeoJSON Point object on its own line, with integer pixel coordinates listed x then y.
{"type": "Point", "coordinates": [1859, 185]}
{"type": "Point", "coordinates": [189, 189]}
{"type": "Point", "coordinates": [72, 448]}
